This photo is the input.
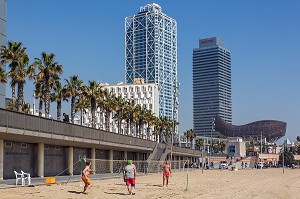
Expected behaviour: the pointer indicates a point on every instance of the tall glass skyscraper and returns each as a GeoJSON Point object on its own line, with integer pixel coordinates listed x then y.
{"type": "Point", "coordinates": [151, 54]}
{"type": "Point", "coordinates": [211, 85]}
{"type": "Point", "coordinates": [2, 42]}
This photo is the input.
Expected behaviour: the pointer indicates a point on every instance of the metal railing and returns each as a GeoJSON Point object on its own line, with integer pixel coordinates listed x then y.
{"type": "Point", "coordinates": [16, 120]}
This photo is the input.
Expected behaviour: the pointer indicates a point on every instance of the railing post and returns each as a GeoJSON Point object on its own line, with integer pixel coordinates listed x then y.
{"type": "Point", "coordinates": [1, 158]}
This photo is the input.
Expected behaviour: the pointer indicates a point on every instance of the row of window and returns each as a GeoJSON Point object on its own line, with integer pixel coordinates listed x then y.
{"type": "Point", "coordinates": [130, 89]}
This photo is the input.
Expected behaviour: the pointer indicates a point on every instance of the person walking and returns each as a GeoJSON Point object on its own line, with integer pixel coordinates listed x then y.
{"type": "Point", "coordinates": [129, 176]}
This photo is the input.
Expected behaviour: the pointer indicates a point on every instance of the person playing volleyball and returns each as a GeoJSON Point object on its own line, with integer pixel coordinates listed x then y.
{"type": "Point", "coordinates": [166, 173]}
{"type": "Point", "coordinates": [129, 176]}
{"type": "Point", "coordinates": [86, 177]}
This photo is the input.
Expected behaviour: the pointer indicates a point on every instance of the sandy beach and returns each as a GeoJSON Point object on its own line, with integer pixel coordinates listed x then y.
{"type": "Point", "coordinates": [266, 183]}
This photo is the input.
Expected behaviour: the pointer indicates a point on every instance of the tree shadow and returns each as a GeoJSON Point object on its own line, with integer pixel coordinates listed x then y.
{"type": "Point", "coordinates": [76, 192]}
{"type": "Point", "coordinates": [114, 193]}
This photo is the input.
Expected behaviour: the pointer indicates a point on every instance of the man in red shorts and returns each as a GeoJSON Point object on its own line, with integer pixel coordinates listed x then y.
{"type": "Point", "coordinates": [166, 173]}
{"type": "Point", "coordinates": [129, 176]}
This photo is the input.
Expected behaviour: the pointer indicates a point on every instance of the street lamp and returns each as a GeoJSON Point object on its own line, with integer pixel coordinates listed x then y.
{"type": "Point", "coordinates": [175, 118]}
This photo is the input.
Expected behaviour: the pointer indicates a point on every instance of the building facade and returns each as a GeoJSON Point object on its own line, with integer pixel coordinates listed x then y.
{"type": "Point", "coordinates": [151, 54]}
{"type": "Point", "coordinates": [211, 85]}
{"type": "Point", "coordinates": [2, 42]}
{"type": "Point", "coordinates": [144, 94]}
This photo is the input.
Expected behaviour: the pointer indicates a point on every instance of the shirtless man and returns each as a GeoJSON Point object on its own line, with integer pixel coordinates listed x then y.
{"type": "Point", "coordinates": [129, 176]}
{"type": "Point", "coordinates": [86, 177]}
{"type": "Point", "coordinates": [167, 173]}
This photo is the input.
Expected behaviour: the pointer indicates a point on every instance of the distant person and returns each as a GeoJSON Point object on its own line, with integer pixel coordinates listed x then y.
{"type": "Point", "coordinates": [166, 173]}
{"type": "Point", "coordinates": [129, 176]}
{"type": "Point", "coordinates": [242, 165]}
{"type": "Point", "coordinates": [86, 177]}
{"type": "Point", "coordinates": [66, 117]}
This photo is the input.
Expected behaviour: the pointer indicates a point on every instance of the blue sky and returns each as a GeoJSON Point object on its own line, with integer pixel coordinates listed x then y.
{"type": "Point", "coordinates": [263, 37]}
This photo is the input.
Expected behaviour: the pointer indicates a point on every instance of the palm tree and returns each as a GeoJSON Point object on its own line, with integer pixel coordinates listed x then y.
{"type": "Point", "coordinates": [107, 104]}
{"type": "Point", "coordinates": [3, 77]}
{"type": "Point", "coordinates": [157, 128]}
{"type": "Point", "coordinates": [190, 135]}
{"type": "Point", "coordinates": [58, 96]}
{"type": "Point", "coordinates": [150, 120]}
{"type": "Point", "coordinates": [92, 92]}
{"type": "Point", "coordinates": [49, 72]}
{"type": "Point", "coordinates": [174, 123]}
{"type": "Point", "coordinates": [128, 115]}
{"type": "Point", "coordinates": [81, 104]}
{"type": "Point", "coordinates": [222, 146]}
{"type": "Point", "coordinates": [73, 88]}
{"type": "Point", "coordinates": [212, 144]}
{"type": "Point", "coordinates": [38, 94]}
{"type": "Point", "coordinates": [20, 73]}
{"type": "Point", "coordinates": [12, 55]}
{"type": "Point", "coordinates": [200, 143]}
{"type": "Point", "coordinates": [120, 105]}
{"type": "Point", "coordinates": [168, 126]}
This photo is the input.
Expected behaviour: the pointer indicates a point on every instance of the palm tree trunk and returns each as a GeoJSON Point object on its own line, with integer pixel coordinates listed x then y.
{"type": "Point", "coordinates": [93, 110]}
{"type": "Point", "coordinates": [81, 116]}
{"type": "Point", "coordinates": [119, 121]}
{"type": "Point", "coordinates": [107, 117]}
{"type": "Point", "coordinates": [13, 95]}
{"type": "Point", "coordinates": [20, 99]}
{"type": "Point", "coordinates": [127, 126]}
{"type": "Point", "coordinates": [72, 109]}
{"type": "Point", "coordinates": [58, 110]}
{"type": "Point", "coordinates": [47, 99]}
{"type": "Point", "coordinates": [40, 108]}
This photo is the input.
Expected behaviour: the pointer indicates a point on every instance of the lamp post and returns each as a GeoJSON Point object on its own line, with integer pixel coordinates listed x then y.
{"type": "Point", "coordinates": [283, 156]}
{"type": "Point", "coordinates": [175, 107]}
{"type": "Point", "coordinates": [33, 106]}
{"type": "Point", "coordinates": [212, 128]}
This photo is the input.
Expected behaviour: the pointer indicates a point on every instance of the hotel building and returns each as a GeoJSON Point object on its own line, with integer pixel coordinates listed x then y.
{"type": "Point", "coordinates": [211, 85]}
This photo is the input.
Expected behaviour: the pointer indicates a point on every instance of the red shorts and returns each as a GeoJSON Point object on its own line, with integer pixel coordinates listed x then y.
{"type": "Point", "coordinates": [130, 181]}
{"type": "Point", "coordinates": [167, 174]}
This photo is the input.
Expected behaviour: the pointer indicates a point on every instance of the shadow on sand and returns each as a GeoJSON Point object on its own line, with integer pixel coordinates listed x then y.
{"type": "Point", "coordinates": [122, 194]}
{"type": "Point", "coordinates": [76, 192]}
{"type": "Point", "coordinates": [154, 185]}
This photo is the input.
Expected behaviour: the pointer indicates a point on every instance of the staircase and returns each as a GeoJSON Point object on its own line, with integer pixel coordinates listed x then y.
{"type": "Point", "coordinates": [157, 157]}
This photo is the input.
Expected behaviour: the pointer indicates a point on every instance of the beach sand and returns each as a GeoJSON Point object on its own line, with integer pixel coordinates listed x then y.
{"type": "Point", "coordinates": [265, 183]}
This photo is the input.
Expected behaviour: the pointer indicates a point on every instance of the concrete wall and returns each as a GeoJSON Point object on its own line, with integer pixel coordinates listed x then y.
{"type": "Point", "coordinates": [19, 156]}
{"type": "Point", "coordinates": [77, 152]}
{"type": "Point", "coordinates": [55, 160]}
{"type": "Point", "coordinates": [102, 154]}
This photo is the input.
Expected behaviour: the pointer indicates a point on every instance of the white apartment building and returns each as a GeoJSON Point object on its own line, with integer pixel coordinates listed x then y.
{"type": "Point", "coordinates": [145, 94]}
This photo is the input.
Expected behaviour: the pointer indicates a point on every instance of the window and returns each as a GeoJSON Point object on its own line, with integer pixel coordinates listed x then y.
{"type": "Point", "coordinates": [8, 144]}
{"type": "Point", "coordinates": [57, 147]}
{"type": "Point", "coordinates": [149, 88]}
{"type": "Point", "coordinates": [130, 89]}
{"type": "Point", "coordinates": [125, 90]}
{"type": "Point", "coordinates": [23, 145]}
